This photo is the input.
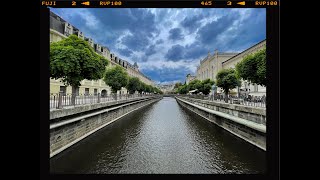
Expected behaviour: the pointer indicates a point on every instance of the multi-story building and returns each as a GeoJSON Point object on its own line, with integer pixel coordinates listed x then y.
{"type": "Point", "coordinates": [190, 78]}
{"type": "Point", "coordinates": [60, 29]}
{"type": "Point", "coordinates": [212, 64]}
{"type": "Point", "coordinates": [166, 88]}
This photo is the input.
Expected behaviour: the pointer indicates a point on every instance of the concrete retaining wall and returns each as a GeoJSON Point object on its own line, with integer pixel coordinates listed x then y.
{"type": "Point", "coordinates": [69, 126]}
{"type": "Point", "coordinates": [247, 123]}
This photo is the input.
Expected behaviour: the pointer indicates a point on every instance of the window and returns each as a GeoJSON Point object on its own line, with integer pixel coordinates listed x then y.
{"type": "Point", "coordinates": [95, 92]}
{"type": "Point", "coordinates": [86, 91]}
{"type": "Point", "coordinates": [63, 89]}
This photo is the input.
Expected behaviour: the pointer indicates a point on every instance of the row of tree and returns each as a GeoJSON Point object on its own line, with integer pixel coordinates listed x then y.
{"type": "Point", "coordinates": [200, 86]}
{"type": "Point", "coordinates": [116, 78]}
{"type": "Point", "coordinates": [73, 60]}
{"type": "Point", "coordinates": [252, 69]}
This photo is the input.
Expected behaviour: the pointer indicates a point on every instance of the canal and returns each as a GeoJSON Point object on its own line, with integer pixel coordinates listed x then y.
{"type": "Point", "coordinates": [160, 138]}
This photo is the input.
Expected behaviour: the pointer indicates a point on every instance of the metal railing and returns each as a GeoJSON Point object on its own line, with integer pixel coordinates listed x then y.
{"type": "Point", "coordinates": [60, 100]}
{"type": "Point", "coordinates": [256, 101]}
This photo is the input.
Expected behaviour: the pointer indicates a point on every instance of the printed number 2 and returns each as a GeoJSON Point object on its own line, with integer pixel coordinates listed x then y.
{"type": "Point", "coordinates": [73, 3]}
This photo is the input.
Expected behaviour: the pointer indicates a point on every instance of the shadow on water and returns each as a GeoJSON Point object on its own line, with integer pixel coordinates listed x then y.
{"type": "Point", "coordinates": [160, 138]}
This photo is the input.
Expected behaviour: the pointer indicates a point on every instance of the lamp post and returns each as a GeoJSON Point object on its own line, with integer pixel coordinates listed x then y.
{"type": "Point", "coordinates": [214, 88]}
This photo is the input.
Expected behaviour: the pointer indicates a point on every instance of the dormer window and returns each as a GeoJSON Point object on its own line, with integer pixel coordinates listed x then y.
{"type": "Point", "coordinates": [68, 29]}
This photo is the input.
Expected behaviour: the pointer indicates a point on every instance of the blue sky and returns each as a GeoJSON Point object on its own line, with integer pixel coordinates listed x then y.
{"type": "Point", "coordinates": [168, 43]}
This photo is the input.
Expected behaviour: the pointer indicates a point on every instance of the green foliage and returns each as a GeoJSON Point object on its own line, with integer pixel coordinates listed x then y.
{"type": "Point", "coordinates": [183, 89]}
{"type": "Point", "coordinates": [116, 77]}
{"type": "Point", "coordinates": [195, 84]}
{"type": "Point", "coordinates": [73, 60]}
{"type": "Point", "coordinates": [148, 88]}
{"type": "Point", "coordinates": [253, 68]}
{"type": "Point", "coordinates": [158, 91]}
{"type": "Point", "coordinates": [142, 87]}
{"type": "Point", "coordinates": [206, 86]}
{"type": "Point", "coordinates": [177, 85]}
{"type": "Point", "coordinates": [201, 86]}
{"type": "Point", "coordinates": [226, 79]}
{"type": "Point", "coordinates": [133, 85]}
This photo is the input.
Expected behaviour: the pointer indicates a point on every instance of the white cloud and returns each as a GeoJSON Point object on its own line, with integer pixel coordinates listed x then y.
{"type": "Point", "coordinates": [91, 21]}
{"type": "Point", "coordinates": [160, 64]}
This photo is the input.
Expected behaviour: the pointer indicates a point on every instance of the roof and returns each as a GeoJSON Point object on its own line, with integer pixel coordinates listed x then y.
{"type": "Point", "coordinates": [193, 90]}
{"type": "Point", "coordinates": [243, 51]}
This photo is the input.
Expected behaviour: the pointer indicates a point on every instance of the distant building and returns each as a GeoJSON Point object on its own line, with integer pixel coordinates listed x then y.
{"type": "Point", "coordinates": [190, 78]}
{"type": "Point", "coordinates": [212, 64]}
{"type": "Point", "coordinates": [60, 29]}
{"type": "Point", "coordinates": [166, 88]}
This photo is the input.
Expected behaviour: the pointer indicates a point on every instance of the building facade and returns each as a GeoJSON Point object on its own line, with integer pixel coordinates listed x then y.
{"type": "Point", "coordinates": [60, 29]}
{"type": "Point", "coordinates": [212, 64]}
{"type": "Point", "coordinates": [190, 78]}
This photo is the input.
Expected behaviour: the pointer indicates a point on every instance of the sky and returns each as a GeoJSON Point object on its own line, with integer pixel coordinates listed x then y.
{"type": "Point", "coordinates": [168, 43]}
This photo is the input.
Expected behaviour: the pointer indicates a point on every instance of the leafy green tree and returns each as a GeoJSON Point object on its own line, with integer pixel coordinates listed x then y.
{"type": "Point", "coordinates": [73, 60]}
{"type": "Point", "coordinates": [158, 91]}
{"type": "Point", "coordinates": [116, 77]}
{"type": "Point", "coordinates": [206, 86]}
{"type": "Point", "coordinates": [183, 89]}
{"type": "Point", "coordinates": [177, 85]}
{"type": "Point", "coordinates": [148, 88]}
{"type": "Point", "coordinates": [253, 68]}
{"type": "Point", "coordinates": [142, 87]}
{"type": "Point", "coordinates": [155, 90]}
{"type": "Point", "coordinates": [133, 85]}
{"type": "Point", "coordinates": [195, 84]}
{"type": "Point", "coordinates": [226, 79]}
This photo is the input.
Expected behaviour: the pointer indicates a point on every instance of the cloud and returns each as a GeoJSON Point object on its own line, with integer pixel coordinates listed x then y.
{"type": "Point", "coordinates": [168, 43]}
{"type": "Point", "coordinates": [150, 50]}
{"type": "Point", "coordinates": [125, 52]}
{"type": "Point", "coordinates": [160, 41]}
{"type": "Point", "coordinates": [208, 34]}
{"type": "Point", "coordinates": [191, 23]}
{"type": "Point", "coordinates": [175, 53]}
{"type": "Point", "coordinates": [175, 34]}
{"type": "Point", "coordinates": [135, 42]}
{"type": "Point", "coordinates": [195, 50]}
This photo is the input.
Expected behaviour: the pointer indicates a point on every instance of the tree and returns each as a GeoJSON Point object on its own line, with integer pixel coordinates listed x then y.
{"type": "Point", "coordinates": [133, 85]}
{"type": "Point", "coordinates": [73, 60]}
{"type": "Point", "coordinates": [226, 79]}
{"type": "Point", "coordinates": [253, 68]}
{"type": "Point", "coordinates": [142, 87]}
{"type": "Point", "coordinates": [116, 78]}
{"type": "Point", "coordinates": [148, 88]}
{"type": "Point", "coordinates": [195, 84]}
{"type": "Point", "coordinates": [177, 85]}
{"type": "Point", "coordinates": [183, 89]}
{"type": "Point", "coordinates": [206, 86]}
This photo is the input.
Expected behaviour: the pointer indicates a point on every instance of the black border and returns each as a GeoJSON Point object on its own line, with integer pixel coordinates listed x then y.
{"type": "Point", "coordinates": [44, 91]}
{"type": "Point", "coordinates": [273, 88]}
{"type": "Point", "coordinates": [161, 4]}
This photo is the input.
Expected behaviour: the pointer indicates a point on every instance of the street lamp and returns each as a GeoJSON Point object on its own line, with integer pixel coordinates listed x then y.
{"type": "Point", "coordinates": [214, 89]}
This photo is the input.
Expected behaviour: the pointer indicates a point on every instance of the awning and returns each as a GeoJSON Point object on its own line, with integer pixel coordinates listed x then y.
{"type": "Point", "coordinates": [193, 91]}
